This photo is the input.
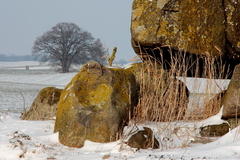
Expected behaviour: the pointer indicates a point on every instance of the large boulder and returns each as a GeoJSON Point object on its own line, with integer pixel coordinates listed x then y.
{"type": "Point", "coordinates": [95, 105]}
{"type": "Point", "coordinates": [194, 26]}
{"type": "Point", "coordinates": [232, 8]}
{"type": "Point", "coordinates": [161, 29]}
{"type": "Point", "coordinates": [231, 100]}
{"type": "Point", "coordinates": [44, 106]}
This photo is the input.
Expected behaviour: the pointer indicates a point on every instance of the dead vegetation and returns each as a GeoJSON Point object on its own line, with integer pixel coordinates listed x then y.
{"type": "Point", "coordinates": [163, 97]}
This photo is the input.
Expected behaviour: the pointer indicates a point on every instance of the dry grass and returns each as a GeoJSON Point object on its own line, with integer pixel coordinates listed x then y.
{"type": "Point", "coordinates": [165, 98]}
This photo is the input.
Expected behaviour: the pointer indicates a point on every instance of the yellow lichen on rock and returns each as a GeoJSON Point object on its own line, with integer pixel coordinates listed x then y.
{"type": "Point", "coordinates": [193, 26]}
{"type": "Point", "coordinates": [95, 104]}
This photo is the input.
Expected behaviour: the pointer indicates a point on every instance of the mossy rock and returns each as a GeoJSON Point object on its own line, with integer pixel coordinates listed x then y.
{"type": "Point", "coordinates": [44, 107]}
{"type": "Point", "coordinates": [95, 105]}
{"type": "Point", "coordinates": [231, 100]}
{"type": "Point", "coordinates": [143, 139]}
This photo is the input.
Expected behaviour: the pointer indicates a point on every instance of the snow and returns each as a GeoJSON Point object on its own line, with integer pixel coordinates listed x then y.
{"type": "Point", "coordinates": [20, 139]}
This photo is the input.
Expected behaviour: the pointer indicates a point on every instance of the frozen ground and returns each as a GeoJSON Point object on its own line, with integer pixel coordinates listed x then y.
{"type": "Point", "coordinates": [35, 139]}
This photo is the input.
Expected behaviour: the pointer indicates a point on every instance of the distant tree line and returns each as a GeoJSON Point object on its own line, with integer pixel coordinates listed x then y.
{"type": "Point", "coordinates": [14, 58]}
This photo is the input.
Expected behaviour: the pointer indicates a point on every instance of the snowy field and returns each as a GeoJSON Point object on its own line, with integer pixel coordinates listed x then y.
{"type": "Point", "coordinates": [35, 140]}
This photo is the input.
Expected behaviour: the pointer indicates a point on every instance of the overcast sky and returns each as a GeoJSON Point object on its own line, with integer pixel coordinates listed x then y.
{"type": "Point", "coordinates": [21, 21]}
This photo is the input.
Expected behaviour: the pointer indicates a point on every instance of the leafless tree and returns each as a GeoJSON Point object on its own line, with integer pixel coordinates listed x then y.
{"type": "Point", "coordinates": [66, 44]}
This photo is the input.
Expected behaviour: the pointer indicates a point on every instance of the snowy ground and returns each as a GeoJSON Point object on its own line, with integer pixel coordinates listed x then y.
{"type": "Point", "coordinates": [35, 139]}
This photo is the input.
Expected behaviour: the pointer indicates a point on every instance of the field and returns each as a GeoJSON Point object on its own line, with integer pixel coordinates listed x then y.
{"type": "Point", "coordinates": [35, 139]}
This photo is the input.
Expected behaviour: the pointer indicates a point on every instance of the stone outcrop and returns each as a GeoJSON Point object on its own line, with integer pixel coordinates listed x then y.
{"type": "Point", "coordinates": [143, 139]}
{"type": "Point", "coordinates": [44, 107]}
{"type": "Point", "coordinates": [195, 27]}
{"type": "Point", "coordinates": [95, 105]}
{"type": "Point", "coordinates": [231, 100]}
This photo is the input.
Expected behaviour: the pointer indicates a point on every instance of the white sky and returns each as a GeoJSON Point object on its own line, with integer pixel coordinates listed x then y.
{"type": "Point", "coordinates": [21, 21]}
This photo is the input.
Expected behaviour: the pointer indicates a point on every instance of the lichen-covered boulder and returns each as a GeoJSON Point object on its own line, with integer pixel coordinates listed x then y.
{"type": "Point", "coordinates": [143, 139]}
{"type": "Point", "coordinates": [44, 107]}
{"type": "Point", "coordinates": [232, 8]}
{"type": "Point", "coordinates": [193, 26]}
{"type": "Point", "coordinates": [231, 100]}
{"type": "Point", "coordinates": [191, 29]}
{"type": "Point", "coordinates": [95, 105]}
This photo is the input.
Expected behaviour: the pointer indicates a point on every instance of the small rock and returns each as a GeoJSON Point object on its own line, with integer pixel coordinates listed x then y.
{"type": "Point", "coordinates": [143, 139]}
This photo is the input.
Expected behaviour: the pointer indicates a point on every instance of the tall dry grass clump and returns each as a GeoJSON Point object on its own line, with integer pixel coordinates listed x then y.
{"type": "Point", "coordinates": [163, 97]}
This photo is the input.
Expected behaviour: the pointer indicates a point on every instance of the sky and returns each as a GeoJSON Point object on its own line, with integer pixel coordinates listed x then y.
{"type": "Point", "coordinates": [22, 21]}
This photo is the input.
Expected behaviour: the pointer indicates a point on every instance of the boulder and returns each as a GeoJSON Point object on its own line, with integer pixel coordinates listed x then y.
{"type": "Point", "coordinates": [219, 129]}
{"type": "Point", "coordinates": [44, 107]}
{"type": "Point", "coordinates": [214, 130]}
{"type": "Point", "coordinates": [143, 139]}
{"type": "Point", "coordinates": [95, 105]}
{"type": "Point", "coordinates": [191, 29]}
{"type": "Point", "coordinates": [231, 100]}
{"type": "Point", "coordinates": [193, 26]}
{"type": "Point", "coordinates": [232, 9]}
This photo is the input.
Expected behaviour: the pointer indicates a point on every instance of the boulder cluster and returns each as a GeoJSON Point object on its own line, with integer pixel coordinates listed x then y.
{"type": "Point", "coordinates": [99, 101]}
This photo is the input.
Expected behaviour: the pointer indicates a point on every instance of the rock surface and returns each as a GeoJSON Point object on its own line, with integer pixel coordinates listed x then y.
{"type": "Point", "coordinates": [44, 107]}
{"type": "Point", "coordinates": [95, 105]}
{"type": "Point", "coordinates": [232, 8]}
{"type": "Point", "coordinates": [143, 139]}
{"type": "Point", "coordinates": [215, 130]}
{"type": "Point", "coordinates": [231, 100]}
{"type": "Point", "coordinates": [219, 129]}
{"type": "Point", "coordinates": [161, 29]}
{"type": "Point", "coordinates": [193, 26]}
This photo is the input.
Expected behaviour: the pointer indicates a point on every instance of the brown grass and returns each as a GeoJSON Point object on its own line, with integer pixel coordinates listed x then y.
{"type": "Point", "coordinates": [164, 98]}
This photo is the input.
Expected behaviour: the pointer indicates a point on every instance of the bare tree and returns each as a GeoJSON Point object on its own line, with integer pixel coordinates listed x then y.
{"type": "Point", "coordinates": [66, 44]}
